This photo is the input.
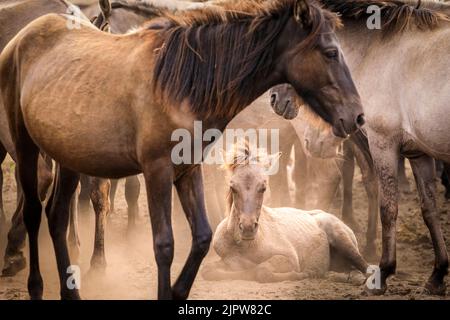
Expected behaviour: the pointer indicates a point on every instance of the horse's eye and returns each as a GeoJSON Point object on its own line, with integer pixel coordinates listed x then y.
{"type": "Point", "coordinates": [262, 189]}
{"type": "Point", "coordinates": [233, 190]}
{"type": "Point", "coordinates": [332, 54]}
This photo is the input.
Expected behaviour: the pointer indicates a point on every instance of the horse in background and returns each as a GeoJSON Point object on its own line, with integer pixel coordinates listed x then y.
{"type": "Point", "coordinates": [135, 135]}
{"type": "Point", "coordinates": [322, 161]}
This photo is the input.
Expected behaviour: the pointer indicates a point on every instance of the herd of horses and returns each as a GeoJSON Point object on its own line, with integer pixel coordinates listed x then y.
{"type": "Point", "coordinates": [181, 62]}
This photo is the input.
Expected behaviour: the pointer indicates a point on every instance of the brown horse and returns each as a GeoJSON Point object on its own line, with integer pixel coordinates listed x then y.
{"type": "Point", "coordinates": [206, 65]}
{"type": "Point", "coordinates": [14, 15]}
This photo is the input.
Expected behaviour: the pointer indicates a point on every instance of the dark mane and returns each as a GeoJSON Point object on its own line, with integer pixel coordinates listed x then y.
{"type": "Point", "coordinates": [396, 15]}
{"type": "Point", "coordinates": [213, 57]}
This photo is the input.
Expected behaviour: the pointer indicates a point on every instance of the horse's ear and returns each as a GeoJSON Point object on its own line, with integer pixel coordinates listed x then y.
{"type": "Point", "coordinates": [302, 13]}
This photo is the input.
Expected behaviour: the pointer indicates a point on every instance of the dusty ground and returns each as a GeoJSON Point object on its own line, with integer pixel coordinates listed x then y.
{"type": "Point", "coordinates": [131, 271]}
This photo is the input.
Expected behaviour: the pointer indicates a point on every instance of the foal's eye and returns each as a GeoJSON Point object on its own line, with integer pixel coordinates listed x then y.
{"type": "Point", "coordinates": [332, 53]}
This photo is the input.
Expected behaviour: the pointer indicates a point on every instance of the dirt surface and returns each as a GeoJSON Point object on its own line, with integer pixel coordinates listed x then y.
{"type": "Point", "coordinates": [131, 270]}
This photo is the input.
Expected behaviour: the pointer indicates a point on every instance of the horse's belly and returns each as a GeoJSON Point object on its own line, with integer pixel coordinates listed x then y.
{"type": "Point", "coordinates": [87, 144]}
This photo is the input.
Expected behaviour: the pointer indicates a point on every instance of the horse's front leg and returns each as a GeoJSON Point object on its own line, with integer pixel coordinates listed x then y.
{"type": "Point", "coordinates": [371, 186]}
{"type": "Point", "coordinates": [159, 177]}
{"type": "Point", "coordinates": [424, 174]}
{"type": "Point", "coordinates": [132, 190]}
{"type": "Point", "coordinates": [348, 172]}
{"type": "Point", "coordinates": [385, 154]}
{"type": "Point", "coordinates": [190, 192]}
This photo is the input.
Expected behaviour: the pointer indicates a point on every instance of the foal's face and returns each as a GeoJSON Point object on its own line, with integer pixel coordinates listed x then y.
{"type": "Point", "coordinates": [322, 79]}
{"type": "Point", "coordinates": [248, 185]}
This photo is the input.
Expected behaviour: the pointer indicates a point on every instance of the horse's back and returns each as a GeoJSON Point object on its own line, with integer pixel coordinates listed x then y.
{"type": "Point", "coordinates": [301, 231]}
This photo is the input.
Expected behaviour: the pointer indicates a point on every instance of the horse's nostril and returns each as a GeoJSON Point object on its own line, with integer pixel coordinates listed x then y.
{"type": "Point", "coordinates": [241, 226]}
{"type": "Point", "coordinates": [255, 225]}
{"type": "Point", "coordinates": [273, 99]}
{"type": "Point", "coordinates": [360, 120]}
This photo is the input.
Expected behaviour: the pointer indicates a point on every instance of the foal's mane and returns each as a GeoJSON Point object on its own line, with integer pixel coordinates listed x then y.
{"type": "Point", "coordinates": [396, 15]}
{"type": "Point", "coordinates": [242, 154]}
{"type": "Point", "coordinates": [212, 57]}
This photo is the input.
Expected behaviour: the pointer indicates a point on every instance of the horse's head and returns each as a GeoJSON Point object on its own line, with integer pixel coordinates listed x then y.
{"type": "Point", "coordinates": [316, 135]}
{"type": "Point", "coordinates": [248, 183]}
{"type": "Point", "coordinates": [311, 60]}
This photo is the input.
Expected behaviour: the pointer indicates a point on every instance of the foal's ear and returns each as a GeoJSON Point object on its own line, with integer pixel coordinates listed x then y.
{"type": "Point", "coordinates": [302, 13]}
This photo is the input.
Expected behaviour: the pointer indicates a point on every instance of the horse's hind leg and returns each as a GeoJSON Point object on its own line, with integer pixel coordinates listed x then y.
{"type": "Point", "coordinates": [112, 193]}
{"type": "Point", "coordinates": [27, 163]}
{"type": "Point", "coordinates": [14, 258]}
{"type": "Point", "coordinates": [73, 236]}
{"type": "Point", "coordinates": [424, 174]}
{"type": "Point", "coordinates": [445, 180]}
{"type": "Point", "coordinates": [100, 201]}
{"type": "Point", "coordinates": [2, 212]}
{"type": "Point", "coordinates": [190, 191]}
{"type": "Point", "coordinates": [57, 211]}
{"type": "Point", "coordinates": [84, 196]}
{"type": "Point", "coordinates": [132, 190]}
{"type": "Point", "coordinates": [342, 240]}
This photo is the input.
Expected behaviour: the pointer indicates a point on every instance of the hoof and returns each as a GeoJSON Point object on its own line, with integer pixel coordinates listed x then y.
{"type": "Point", "coordinates": [14, 265]}
{"type": "Point", "coordinates": [436, 289]}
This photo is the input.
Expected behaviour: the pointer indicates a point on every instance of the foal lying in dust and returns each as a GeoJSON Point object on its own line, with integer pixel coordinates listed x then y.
{"type": "Point", "coordinates": [263, 244]}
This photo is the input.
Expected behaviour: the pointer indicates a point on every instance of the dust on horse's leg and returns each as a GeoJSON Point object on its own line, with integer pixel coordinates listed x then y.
{"type": "Point", "coordinates": [132, 190]}
{"type": "Point", "coordinates": [371, 186]}
{"type": "Point", "coordinates": [14, 258]}
{"type": "Point", "coordinates": [424, 174]}
{"type": "Point", "coordinates": [190, 192]}
{"type": "Point", "coordinates": [100, 201]}
{"type": "Point", "coordinates": [27, 163]}
{"type": "Point", "coordinates": [73, 236]}
{"type": "Point", "coordinates": [85, 192]}
{"type": "Point", "coordinates": [112, 193]}
{"type": "Point", "coordinates": [159, 178]}
{"type": "Point", "coordinates": [57, 211]}
{"type": "Point", "coordinates": [300, 175]}
{"type": "Point", "coordinates": [348, 171]}
{"type": "Point", "coordinates": [385, 153]}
